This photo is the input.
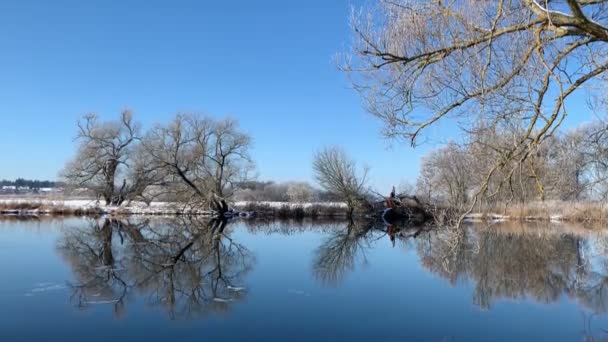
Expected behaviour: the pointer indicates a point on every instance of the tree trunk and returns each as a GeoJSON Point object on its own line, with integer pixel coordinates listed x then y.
{"type": "Point", "coordinates": [110, 173]}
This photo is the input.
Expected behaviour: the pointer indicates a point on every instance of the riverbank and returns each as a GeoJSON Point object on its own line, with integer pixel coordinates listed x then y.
{"type": "Point", "coordinates": [555, 211]}
{"type": "Point", "coordinates": [87, 207]}
{"type": "Point", "coordinates": [80, 207]}
{"type": "Point", "coordinates": [550, 211]}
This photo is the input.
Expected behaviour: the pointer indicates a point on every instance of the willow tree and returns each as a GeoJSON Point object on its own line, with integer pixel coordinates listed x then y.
{"type": "Point", "coordinates": [103, 156]}
{"type": "Point", "coordinates": [505, 63]}
{"type": "Point", "coordinates": [337, 173]}
{"type": "Point", "coordinates": [200, 155]}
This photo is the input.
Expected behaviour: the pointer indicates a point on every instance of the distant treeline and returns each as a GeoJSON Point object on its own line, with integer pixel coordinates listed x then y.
{"type": "Point", "coordinates": [31, 183]}
{"type": "Point", "coordinates": [282, 192]}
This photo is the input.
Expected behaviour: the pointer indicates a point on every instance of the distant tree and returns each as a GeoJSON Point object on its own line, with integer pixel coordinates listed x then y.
{"type": "Point", "coordinates": [337, 173]}
{"type": "Point", "coordinates": [445, 175]}
{"type": "Point", "coordinates": [571, 166]}
{"type": "Point", "coordinates": [300, 192]}
{"type": "Point", "coordinates": [585, 158]}
{"type": "Point", "coordinates": [254, 185]}
{"type": "Point", "coordinates": [31, 183]}
{"type": "Point", "coordinates": [275, 192]}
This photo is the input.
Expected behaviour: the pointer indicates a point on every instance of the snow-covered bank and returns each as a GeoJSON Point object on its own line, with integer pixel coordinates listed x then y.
{"type": "Point", "coordinates": [26, 206]}
{"type": "Point", "coordinates": [48, 206]}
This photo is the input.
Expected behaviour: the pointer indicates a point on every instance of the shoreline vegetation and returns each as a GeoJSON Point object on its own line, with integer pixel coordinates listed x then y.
{"type": "Point", "coordinates": [556, 211]}
{"type": "Point", "coordinates": [549, 211]}
{"type": "Point", "coordinates": [200, 165]}
{"type": "Point", "coordinates": [88, 207]}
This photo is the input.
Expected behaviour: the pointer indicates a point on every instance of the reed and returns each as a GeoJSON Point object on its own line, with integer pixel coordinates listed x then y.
{"type": "Point", "coordinates": [580, 211]}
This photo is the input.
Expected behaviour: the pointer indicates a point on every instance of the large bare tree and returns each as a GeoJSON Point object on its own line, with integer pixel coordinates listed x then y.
{"type": "Point", "coordinates": [200, 155]}
{"type": "Point", "coordinates": [103, 155]}
{"type": "Point", "coordinates": [500, 62]}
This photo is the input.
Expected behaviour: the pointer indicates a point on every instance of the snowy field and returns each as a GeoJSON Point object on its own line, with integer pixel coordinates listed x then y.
{"type": "Point", "coordinates": [41, 206]}
{"type": "Point", "coordinates": [13, 205]}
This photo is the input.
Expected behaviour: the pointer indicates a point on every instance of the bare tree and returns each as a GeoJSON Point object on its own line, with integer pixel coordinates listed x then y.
{"type": "Point", "coordinates": [103, 155]}
{"type": "Point", "coordinates": [228, 160]}
{"type": "Point", "coordinates": [514, 180]}
{"type": "Point", "coordinates": [570, 166]}
{"type": "Point", "coordinates": [417, 63]}
{"type": "Point", "coordinates": [445, 176]}
{"type": "Point", "coordinates": [589, 160]}
{"type": "Point", "coordinates": [337, 173]}
{"type": "Point", "coordinates": [200, 155]}
{"type": "Point", "coordinates": [145, 180]}
{"type": "Point", "coordinates": [300, 192]}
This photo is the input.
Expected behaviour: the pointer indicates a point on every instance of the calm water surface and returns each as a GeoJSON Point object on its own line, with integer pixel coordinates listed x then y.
{"type": "Point", "coordinates": [180, 280]}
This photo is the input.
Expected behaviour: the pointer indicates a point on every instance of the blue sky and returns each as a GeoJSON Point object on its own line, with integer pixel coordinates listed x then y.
{"type": "Point", "coordinates": [268, 63]}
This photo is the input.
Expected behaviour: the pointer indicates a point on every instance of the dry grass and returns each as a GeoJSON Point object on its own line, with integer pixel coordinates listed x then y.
{"type": "Point", "coordinates": [22, 208]}
{"type": "Point", "coordinates": [540, 228]}
{"type": "Point", "coordinates": [5, 206]}
{"type": "Point", "coordinates": [551, 210]}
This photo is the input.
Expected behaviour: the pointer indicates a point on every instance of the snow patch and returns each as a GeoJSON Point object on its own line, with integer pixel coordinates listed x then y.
{"type": "Point", "coordinates": [222, 300]}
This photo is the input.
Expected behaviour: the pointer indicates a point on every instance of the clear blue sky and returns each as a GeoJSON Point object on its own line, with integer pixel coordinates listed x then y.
{"type": "Point", "coordinates": [268, 63]}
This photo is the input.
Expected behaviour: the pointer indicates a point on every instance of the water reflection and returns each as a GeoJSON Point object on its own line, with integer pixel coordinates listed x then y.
{"type": "Point", "coordinates": [189, 266]}
{"type": "Point", "coordinates": [341, 251]}
{"type": "Point", "coordinates": [539, 265]}
{"type": "Point", "coordinates": [531, 262]}
{"type": "Point", "coordinates": [185, 266]}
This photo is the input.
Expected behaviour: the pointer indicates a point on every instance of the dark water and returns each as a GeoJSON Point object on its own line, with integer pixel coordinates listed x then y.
{"type": "Point", "coordinates": [179, 280]}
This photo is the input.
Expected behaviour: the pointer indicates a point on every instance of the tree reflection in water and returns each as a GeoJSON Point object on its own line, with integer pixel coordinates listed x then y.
{"type": "Point", "coordinates": [346, 246]}
{"type": "Point", "coordinates": [195, 267]}
{"type": "Point", "coordinates": [533, 263]}
{"type": "Point", "coordinates": [525, 264]}
{"type": "Point", "coordinates": [338, 254]}
{"type": "Point", "coordinates": [187, 266]}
